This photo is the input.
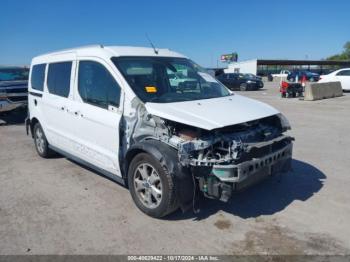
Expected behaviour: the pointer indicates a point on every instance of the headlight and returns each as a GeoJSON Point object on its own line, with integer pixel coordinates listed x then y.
{"type": "Point", "coordinates": [284, 122]}
{"type": "Point", "coordinates": [3, 95]}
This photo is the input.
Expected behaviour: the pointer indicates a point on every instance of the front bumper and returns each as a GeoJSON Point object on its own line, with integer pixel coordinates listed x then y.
{"type": "Point", "coordinates": [226, 179]}
{"type": "Point", "coordinates": [6, 105]}
{"type": "Point", "coordinates": [269, 164]}
{"type": "Point", "coordinates": [255, 85]}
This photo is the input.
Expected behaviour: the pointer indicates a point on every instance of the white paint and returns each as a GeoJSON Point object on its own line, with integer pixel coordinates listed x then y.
{"type": "Point", "coordinates": [336, 76]}
{"type": "Point", "coordinates": [212, 113]}
{"type": "Point", "coordinates": [244, 67]}
{"type": "Point", "coordinates": [92, 133]}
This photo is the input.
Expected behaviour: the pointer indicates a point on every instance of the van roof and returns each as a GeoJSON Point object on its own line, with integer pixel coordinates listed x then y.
{"type": "Point", "coordinates": [108, 51]}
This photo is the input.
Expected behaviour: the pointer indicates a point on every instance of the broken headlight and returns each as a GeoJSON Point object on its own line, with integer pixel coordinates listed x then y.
{"type": "Point", "coordinates": [284, 122]}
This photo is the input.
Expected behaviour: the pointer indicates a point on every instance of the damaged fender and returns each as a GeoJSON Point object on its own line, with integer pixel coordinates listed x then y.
{"type": "Point", "coordinates": [168, 157]}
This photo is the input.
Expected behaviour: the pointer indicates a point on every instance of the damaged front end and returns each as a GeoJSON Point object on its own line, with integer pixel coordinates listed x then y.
{"type": "Point", "coordinates": [232, 158]}
{"type": "Point", "coordinates": [222, 160]}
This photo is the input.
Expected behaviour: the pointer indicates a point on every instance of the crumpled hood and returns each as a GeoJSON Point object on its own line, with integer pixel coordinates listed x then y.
{"type": "Point", "coordinates": [212, 113]}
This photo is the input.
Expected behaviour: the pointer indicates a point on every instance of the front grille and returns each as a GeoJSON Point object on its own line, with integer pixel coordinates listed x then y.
{"type": "Point", "coordinates": [18, 98]}
{"type": "Point", "coordinates": [16, 90]}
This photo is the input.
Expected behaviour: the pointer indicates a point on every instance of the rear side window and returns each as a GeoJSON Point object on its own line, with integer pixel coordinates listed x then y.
{"type": "Point", "coordinates": [58, 78]}
{"type": "Point", "coordinates": [97, 86]}
{"type": "Point", "coordinates": [38, 77]}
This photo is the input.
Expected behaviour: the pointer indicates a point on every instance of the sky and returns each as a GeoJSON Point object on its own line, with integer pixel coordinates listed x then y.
{"type": "Point", "coordinates": [202, 30]}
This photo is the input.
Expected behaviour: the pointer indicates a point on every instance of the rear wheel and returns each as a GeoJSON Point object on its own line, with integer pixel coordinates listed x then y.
{"type": "Point", "coordinates": [40, 141]}
{"type": "Point", "coordinates": [151, 186]}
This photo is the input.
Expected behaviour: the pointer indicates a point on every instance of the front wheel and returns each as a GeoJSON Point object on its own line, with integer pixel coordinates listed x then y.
{"type": "Point", "coordinates": [243, 87]}
{"type": "Point", "coordinates": [151, 186]}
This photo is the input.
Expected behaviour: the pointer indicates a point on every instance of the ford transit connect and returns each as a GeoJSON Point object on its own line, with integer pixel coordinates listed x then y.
{"type": "Point", "coordinates": [154, 121]}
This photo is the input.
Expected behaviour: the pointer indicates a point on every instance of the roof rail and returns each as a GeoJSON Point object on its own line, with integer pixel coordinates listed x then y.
{"type": "Point", "coordinates": [74, 48]}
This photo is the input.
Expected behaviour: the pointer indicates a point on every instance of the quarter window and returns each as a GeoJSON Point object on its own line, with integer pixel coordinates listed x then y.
{"type": "Point", "coordinates": [58, 78]}
{"type": "Point", "coordinates": [97, 86]}
{"type": "Point", "coordinates": [38, 77]}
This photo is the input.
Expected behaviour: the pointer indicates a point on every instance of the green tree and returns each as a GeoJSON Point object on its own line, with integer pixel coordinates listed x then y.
{"type": "Point", "coordinates": [345, 55]}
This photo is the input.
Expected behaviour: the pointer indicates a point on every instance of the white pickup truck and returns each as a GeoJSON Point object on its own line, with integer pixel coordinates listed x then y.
{"type": "Point", "coordinates": [283, 73]}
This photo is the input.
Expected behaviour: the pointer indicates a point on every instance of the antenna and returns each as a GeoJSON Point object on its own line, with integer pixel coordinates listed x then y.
{"type": "Point", "coordinates": [154, 48]}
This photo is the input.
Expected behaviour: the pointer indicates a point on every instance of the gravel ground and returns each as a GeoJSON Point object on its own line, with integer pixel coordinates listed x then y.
{"type": "Point", "coordinates": [58, 207]}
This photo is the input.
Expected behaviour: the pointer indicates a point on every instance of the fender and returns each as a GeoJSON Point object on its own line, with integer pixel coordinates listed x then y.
{"type": "Point", "coordinates": [168, 157]}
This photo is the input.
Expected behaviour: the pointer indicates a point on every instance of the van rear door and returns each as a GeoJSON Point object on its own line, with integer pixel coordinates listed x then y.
{"type": "Point", "coordinates": [58, 118]}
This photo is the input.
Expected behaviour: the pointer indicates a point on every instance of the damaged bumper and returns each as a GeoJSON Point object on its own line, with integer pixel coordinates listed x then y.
{"type": "Point", "coordinates": [226, 179]}
{"type": "Point", "coordinates": [269, 164]}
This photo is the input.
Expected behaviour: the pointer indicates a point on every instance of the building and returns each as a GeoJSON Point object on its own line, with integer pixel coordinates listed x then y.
{"type": "Point", "coordinates": [264, 67]}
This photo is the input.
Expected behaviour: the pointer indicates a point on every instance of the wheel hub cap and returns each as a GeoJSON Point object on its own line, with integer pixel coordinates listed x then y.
{"type": "Point", "coordinates": [147, 185]}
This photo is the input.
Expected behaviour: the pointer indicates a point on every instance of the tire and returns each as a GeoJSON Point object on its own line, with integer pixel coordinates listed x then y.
{"type": "Point", "coordinates": [40, 142]}
{"type": "Point", "coordinates": [153, 193]}
{"type": "Point", "coordinates": [243, 87]}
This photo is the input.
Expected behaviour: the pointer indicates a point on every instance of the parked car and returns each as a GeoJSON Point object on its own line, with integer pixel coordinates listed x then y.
{"type": "Point", "coordinates": [116, 110]}
{"type": "Point", "coordinates": [309, 76]}
{"type": "Point", "coordinates": [13, 88]}
{"type": "Point", "coordinates": [252, 76]}
{"type": "Point", "coordinates": [243, 82]}
{"type": "Point", "coordinates": [283, 74]}
{"type": "Point", "coordinates": [341, 75]}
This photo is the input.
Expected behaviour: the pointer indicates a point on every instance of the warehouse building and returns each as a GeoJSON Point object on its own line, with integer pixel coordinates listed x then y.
{"type": "Point", "coordinates": [264, 67]}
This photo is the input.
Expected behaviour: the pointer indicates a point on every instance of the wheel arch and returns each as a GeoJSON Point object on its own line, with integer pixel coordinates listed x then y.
{"type": "Point", "coordinates": [159, 150]}
{"type": "Point", "coordinates": [168, 158]}
{"type": "Point", "coordinates": [33, 122]}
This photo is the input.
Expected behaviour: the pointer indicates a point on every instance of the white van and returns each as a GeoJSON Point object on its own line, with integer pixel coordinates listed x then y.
{"type": "Point", "coordinates": [123, 112]}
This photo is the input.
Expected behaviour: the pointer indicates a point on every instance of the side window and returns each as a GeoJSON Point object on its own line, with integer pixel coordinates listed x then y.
{"type": "Point", "coordinates": [58, 78]}
{"type": "Point", "coordinates": [38, 77]}
{"type": "Point", "coordinates": [344, 73]}
{"type": "Point", "coordinates": [97, 86]}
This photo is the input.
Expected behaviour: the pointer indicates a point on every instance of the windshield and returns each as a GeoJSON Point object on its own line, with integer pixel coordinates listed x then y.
{"type": "Point", "coordinates": [167, 79]}
{"type": "Point", "coordinates": [12, 74]}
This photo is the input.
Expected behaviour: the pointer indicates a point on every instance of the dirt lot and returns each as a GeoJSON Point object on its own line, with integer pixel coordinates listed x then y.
{"type": "Point", "coordinates": [58, 207]}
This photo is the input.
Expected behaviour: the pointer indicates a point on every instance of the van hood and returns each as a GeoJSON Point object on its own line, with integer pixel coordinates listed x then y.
{"type": "Point", "coordinates": [212, 113]}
